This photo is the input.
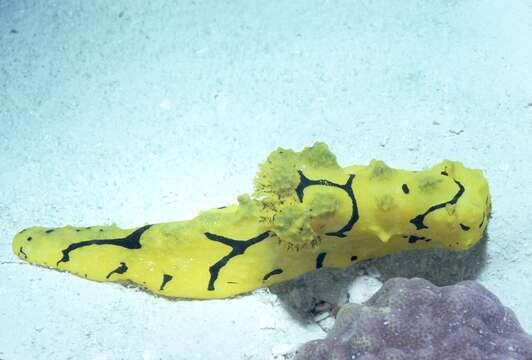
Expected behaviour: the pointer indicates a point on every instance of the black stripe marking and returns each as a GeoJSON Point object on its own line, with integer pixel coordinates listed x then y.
{"type": "Point", "coordinates": [319, 260]}
{"type": "Point", "coordinates": [412, 239]}
{"type": "Point", "coordinates": [483, 218]}
{"type": "Point", "coordinates": [119, 270]}
{"type": "Point", "coordinates": [131, 241]}
{"type": "Point", "coordinates": [21, 251]}
{"type": "Point", "coordinates": [354, 257]}
{"type": "Point", "coordinates": [238, 247]}
{"type": "Point", "coordinates": [465, 227]}
{"type": "Point", "coordinates": [271, 273]}
{"type": "Point", "coordinates": [347, 187]}
{"type": "Point", "coordinates": [49, 231]}
{"type": "Point", "coordinates": [166, 279]}
{"type": "Point", "coordinates": [29, 238]}
{"type": "Point", "coordinates": [405, 188]}
{"type": "Point", "coordinates": [418, 220]}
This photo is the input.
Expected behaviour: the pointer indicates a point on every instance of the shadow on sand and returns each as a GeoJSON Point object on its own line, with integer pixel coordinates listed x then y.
{"type": "Point", "coordinates": [441, 267]}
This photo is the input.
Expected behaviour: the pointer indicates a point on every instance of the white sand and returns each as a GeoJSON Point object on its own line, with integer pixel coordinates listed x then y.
{"type": "Point", "coordinates": [139, 112]}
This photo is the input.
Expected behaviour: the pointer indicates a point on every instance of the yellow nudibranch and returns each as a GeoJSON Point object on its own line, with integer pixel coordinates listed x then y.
{"type": "Point", "coordinates": [306, 213]}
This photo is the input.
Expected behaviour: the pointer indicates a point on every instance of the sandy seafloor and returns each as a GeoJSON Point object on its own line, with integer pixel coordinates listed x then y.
{"type": "Point", "coordinates": [135, 112]}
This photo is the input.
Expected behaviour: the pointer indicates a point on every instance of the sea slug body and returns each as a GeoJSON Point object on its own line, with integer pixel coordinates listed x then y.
{"type": "Point", "coordinates": [307, 212]}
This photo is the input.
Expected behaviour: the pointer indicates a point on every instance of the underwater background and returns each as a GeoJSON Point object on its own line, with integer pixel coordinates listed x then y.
{"type": "Point", "coordinates": [133, 112]}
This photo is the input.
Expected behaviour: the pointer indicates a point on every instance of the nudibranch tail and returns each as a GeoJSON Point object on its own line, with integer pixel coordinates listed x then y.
{"type": "Point", "coordinates": [306, 213]}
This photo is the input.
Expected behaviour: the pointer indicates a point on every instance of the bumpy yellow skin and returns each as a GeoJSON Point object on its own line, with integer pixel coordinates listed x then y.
{"type": "Point", "coordinates": [307, 212]}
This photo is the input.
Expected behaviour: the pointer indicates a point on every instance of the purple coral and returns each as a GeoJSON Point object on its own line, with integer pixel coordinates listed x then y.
{"type": "Point", "coordinates": [416, 320]}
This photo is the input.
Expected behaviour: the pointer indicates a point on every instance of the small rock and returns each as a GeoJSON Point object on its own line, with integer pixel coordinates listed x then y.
{"type": "Point", "coordinates": [373, 272]}
{"type": "Point", "coordinates": [326, 324]}
{"type": "Point", "coordinates": [321, 316]}
{"type": "Point", "coordinates": [363, 288]}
